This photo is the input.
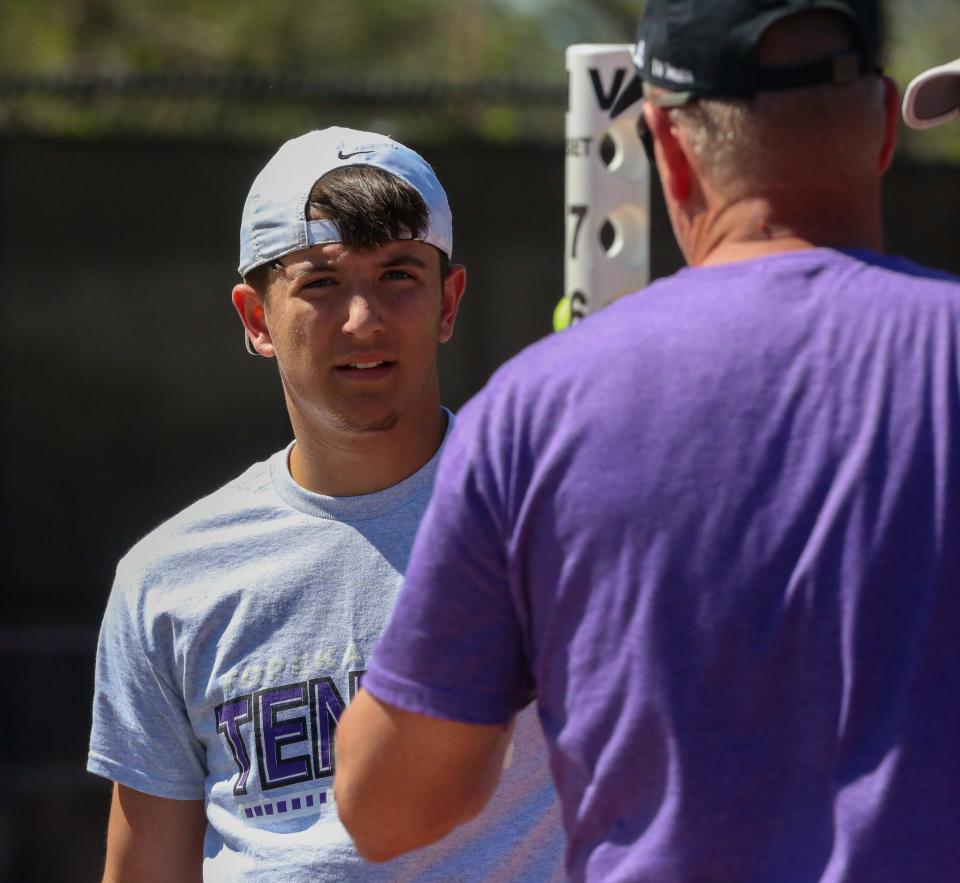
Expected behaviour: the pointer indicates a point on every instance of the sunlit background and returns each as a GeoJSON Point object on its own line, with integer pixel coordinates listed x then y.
{"type": "Point", "coordinates": [129, 133]}
{"type": "Point", "coordinates": [427, 70]}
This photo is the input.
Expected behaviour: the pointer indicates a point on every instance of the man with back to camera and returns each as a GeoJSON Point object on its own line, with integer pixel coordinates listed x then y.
{"type": "Point", "coordinates": [933, 97]}
{"type": "Point", "coordinates": [716, 526]}
{"type": "Point", "coordinates": [237, 632]}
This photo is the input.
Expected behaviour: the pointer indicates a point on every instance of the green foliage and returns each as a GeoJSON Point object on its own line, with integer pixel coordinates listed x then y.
{"type": "Point", "coordinates": [377, 43]}
{"type": "Point", "coordinates": [459, 39]}
{"type": "Point", "coordinates": [921, 36]}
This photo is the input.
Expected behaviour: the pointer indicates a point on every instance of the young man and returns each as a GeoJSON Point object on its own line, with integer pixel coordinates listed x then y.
{"type": "Point", "coordinates": [237, 632]}
{"type": "Point", "coordinates": [715, 526]}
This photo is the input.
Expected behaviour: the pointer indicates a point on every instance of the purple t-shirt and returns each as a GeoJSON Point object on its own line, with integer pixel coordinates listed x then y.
{"type": "Point", "coordinates": [716, 530]}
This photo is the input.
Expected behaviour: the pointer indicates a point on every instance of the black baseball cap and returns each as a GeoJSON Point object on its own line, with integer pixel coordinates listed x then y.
{"type": "Point", "coordinates": [707, 48]}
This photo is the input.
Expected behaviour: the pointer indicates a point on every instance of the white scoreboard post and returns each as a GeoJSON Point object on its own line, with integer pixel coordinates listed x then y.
{"type": "Point", "coordinates": [607, 200]}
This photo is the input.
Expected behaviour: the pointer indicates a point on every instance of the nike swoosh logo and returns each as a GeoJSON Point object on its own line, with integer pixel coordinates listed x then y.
{"type": "Point", "coordinates": [342, 155]}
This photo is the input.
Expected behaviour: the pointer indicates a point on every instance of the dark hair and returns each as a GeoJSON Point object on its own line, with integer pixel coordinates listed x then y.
{"type": "Point", "coordinates": [370, 207]}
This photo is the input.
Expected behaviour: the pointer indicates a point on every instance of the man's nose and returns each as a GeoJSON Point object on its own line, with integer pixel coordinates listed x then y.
{"type": "Point", "coordinates": [363, 316]}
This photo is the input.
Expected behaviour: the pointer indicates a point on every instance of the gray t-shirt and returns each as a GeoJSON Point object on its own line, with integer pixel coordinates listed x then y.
{"type": "Point", "coordinates": [235, 635]}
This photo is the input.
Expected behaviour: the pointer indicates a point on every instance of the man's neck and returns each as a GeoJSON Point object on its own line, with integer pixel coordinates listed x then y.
{"type": "Point", "coordinates": [757, 227]}
{"type": "Point", "coordinates": [342, 463]}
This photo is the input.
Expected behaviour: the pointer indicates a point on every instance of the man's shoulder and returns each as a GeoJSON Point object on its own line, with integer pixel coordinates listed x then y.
{"type": "Point", "coordinates": [244, 500]}
{"type": "Point", "coordinates": [919, 275]}
{"type": "Point", "coordinates": [862, 285]}
{"type": "Point", "coordinates": [805, 265]}
{"type": "Point", "coordinates": [699, 307]}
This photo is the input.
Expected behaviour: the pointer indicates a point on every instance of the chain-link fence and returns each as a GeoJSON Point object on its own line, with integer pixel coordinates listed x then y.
{"type": "Point", "coordinates": [268, 108]}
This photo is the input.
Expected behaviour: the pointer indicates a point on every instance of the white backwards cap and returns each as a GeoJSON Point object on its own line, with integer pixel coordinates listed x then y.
{"type": "Point", "coordinates": [274, 221]}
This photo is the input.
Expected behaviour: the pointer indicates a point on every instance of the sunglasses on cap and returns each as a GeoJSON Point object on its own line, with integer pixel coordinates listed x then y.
{"type": "Point", "coordinates": [646, 139]}
{"type": "Point", "coordinates": [628, 98]}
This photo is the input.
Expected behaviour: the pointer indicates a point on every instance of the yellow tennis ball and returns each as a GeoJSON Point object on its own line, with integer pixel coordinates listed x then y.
{"type": "Point", "coordinates": [561, 314]}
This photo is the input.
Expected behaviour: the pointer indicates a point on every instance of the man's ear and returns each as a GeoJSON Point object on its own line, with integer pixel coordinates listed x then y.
{"type": "Point", "coordinates": [249, 307]}
{"type": "Point", "coordinates": [891, 108]}
{"type": "Point", "coordinates": [453, 287]}
{"type": "Point", "coordinates": [672, 163]}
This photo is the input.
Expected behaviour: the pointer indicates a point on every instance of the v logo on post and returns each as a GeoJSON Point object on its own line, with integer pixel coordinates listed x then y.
{"type": "Point", "coordinates": [606, 98]}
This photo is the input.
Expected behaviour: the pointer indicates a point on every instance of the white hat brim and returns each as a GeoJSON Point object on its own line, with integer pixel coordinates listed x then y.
{"type": "Point", "coordinates": [933, 97]}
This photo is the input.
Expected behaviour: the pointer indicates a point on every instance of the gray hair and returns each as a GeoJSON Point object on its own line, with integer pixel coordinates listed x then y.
{"type": "Point", "coordinates": [814, 133]}
{"type": "Point", "coordinates": [808, 132]}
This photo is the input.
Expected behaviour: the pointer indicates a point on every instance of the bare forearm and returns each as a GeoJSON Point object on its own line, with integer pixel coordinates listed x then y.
{"type": "Point", "coordinates": [141, 869]}
{"type": "Point", "coordinates": [404, 781]}
{"type": "Point", "coordinates": [386, 822]}
{"type": "Point", "coordinates": [154, 840]}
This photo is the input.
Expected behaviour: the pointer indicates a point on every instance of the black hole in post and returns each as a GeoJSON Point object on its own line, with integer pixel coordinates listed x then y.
{"type": "Point", "coordinates": [608, 150]}
{"type": "Point", "coordinates": [578, 306]}
{"type": "Point", "coordinates": [608, 234]}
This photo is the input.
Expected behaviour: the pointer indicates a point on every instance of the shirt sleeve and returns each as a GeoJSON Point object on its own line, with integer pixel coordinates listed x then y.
{"type": "Point", "coordinates": [141, 735]}
{"type": "Point", "coordinates": [454, 646]}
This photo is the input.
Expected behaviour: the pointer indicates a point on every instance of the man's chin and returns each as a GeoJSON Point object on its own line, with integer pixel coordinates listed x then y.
{"type": "Point", "coordinates": [368, 423]}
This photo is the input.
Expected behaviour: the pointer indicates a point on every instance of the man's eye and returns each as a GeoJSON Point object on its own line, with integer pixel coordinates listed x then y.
{"type": "Point", "coordinates": [322, 282]}
{"type": "Point", "coordinates": [398, 274]}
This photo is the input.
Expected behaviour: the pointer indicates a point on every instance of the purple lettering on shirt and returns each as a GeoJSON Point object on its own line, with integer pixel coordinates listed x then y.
{"type": "Point", "coordinates": [275, 733]}
{"type": "Point", "coordinates": [356, 677]}
{"type": "Point", "coordinates": [230, 716]}
{"type": "Point", "coordinates": [326, 706]}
